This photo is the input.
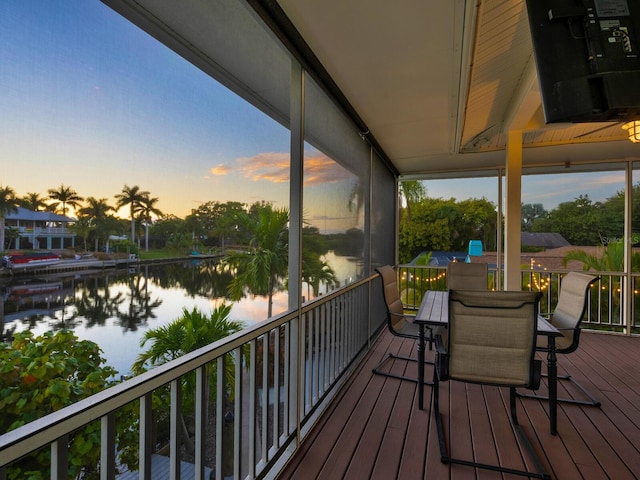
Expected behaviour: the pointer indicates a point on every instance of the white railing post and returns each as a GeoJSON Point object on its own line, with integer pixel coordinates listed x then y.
{"type": "Point", "coordinates": [320, 342]}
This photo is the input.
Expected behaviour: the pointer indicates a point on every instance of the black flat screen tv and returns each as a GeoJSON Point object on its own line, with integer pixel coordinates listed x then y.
{"type": "Point", "coordinates": [587, 58]}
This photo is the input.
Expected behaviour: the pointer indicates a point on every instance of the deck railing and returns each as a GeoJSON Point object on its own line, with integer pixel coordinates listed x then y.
{"type": "Point", "coordinates": [45, 231]}
{"type": "Point", "coordinates": [240, 407]}
{"type": "Point", "coordinates": [605, 310]}
{"type": "Point", "coordinates": [237, 408]}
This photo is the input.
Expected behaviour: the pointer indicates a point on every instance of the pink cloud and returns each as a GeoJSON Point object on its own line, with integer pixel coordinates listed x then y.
{"type": "Point", "coordinates": [220, 169]}
{"type": "Point", "coordinates": [274, 167]}
{"type": "Point", "coordinates": [269, 166]}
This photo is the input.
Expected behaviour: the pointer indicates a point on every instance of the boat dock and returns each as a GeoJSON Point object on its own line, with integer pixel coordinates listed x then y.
{"type": "Point", "coordinates": [83, 264]}
{"type": "Point", "coordinates": [68, 266]}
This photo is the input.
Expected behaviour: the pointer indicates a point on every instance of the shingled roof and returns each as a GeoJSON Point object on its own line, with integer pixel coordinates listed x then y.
{"type": "Point", "coordinates": [543, 240]}
{"type": "Point", "coordinates": [31, 216]}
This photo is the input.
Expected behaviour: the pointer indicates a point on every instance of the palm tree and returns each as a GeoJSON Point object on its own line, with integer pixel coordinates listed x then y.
{"type": "Point", "coordinates": [66, 196]}
{"type": "Point", "coordinates": [147, 209]}
{"type": "Point", "coordinates": [133, 197]}
{"type": "Point", "coordinates": [259, 268]}
{"type": "Point", "coordinates": [316, 271]}
{"type": "Point", "coordinates": [33, 201]}
{"type": "Point", "coordinates": [97, 211]}
{"type": "Point", "coordinates": [82, 227]}
{"type": "Point", "coordinates": [8, 204]}
{"type": "Point", "coordinates": [188, 333]}
{"type": "Point", "coordinates": [610, 260]}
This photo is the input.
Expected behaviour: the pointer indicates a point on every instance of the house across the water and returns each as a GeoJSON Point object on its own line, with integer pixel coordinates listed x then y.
{"type": "Point", "coordinates": [38, 230]}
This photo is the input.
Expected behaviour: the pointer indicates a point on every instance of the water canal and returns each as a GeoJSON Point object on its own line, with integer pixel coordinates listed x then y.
{"type": "Point", "coordinates": [114, 307]}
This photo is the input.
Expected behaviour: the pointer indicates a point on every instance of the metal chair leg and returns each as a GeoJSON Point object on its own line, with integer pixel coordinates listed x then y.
{"type": "Point", "coordinates": [592, 402]}
{"type": "Point", "coordinates": [377, 370]}
{"type": "Point", "coordinates": [444, 455]}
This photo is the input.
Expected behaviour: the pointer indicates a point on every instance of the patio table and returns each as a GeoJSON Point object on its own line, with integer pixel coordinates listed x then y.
{"type": "Point", "coordinates": [434, 312]}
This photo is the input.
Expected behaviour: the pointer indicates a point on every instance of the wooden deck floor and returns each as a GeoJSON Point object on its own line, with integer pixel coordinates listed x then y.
{"type": "Point", "coordinates": [374, 429]}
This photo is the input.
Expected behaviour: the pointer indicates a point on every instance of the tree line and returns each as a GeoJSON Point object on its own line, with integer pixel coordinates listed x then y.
{"type": "Point", "coordinates": [211, 224]}
{"type": "Point", "coordinates": [96, 219]}
{"type": "Point", "coordinates": [436, 224]}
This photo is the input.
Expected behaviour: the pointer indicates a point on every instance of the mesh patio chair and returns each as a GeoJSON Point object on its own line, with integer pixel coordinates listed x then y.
{"type": "Point", "coordinates": [567, 317]}
{"type": "Point", "coordinates": [467, 276]}
{"type": "Point", "coordinates": [398, 321]}
{"type": "Point", "coordinates": [491, 341]}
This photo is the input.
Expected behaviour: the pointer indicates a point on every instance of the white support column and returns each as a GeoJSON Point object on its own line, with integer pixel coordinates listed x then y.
{"type": "Point", "coordinates": [513, 212]}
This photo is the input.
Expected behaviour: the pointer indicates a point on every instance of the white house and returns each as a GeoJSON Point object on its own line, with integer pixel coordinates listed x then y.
{"type": "Point", "coordinates": [38, 230]}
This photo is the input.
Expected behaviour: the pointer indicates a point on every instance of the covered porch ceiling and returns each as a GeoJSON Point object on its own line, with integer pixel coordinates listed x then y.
{"type": "Point", "coordinates": [439, 85]}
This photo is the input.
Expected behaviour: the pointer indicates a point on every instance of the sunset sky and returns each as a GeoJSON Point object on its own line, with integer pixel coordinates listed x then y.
{"type": "Point", "coordinates": [90, 101]}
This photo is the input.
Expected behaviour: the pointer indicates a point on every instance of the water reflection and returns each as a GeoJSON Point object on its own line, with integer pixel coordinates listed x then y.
{"type": "Point", "coordinates": [115, 307]}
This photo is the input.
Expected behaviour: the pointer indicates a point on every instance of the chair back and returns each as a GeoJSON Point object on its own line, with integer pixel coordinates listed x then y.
{"type": "Point", "coordinates": [572, 303]}
{"type": "Point", "coordinates": [391, 294]}
{"type": "Point", "coordinates": [467, 276]}
{"type": "Point", "coordinates": [492, 337]}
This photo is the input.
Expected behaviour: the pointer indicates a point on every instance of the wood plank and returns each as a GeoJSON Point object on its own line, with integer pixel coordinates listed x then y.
{"type": "Point", "coordinates": [374, 428]}
{"type": "Point", "coordinates": [412, 463]}
{"type": "Point", "coordinates": [360, 461]}
{"type": "Point", "coordinates": [550, 448]}
{"type": "Point", "coordinates": [485, 451]}
{"type": "Point", "coordinates": [506, 442]}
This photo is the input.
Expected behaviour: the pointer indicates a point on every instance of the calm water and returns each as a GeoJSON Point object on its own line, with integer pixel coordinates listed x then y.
{"type": "Point", "coordinates": [115, 307]}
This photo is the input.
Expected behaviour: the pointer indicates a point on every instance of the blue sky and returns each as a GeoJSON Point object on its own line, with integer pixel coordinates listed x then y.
{"type": "Point", "coordinates": [550, 190]}
{"type": "Point", "coordinates": [90, 101]}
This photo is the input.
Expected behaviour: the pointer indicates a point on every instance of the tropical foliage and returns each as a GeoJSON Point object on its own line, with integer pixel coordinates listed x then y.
{"type": "Point", "coordinates": [188, 333]}
{"type": "Point", "coordinates": [261, 268]}
{"type": "Point", "coordinates": [192, 330]}
{"type": "Point", "coordinates": [609, 259]}
{"type": "Point", "coordinates": [42, 374]}
{"type": "Point", "coordinates": [221, 221]}
{"type": "Point", "coordinates": [432, 224]}
{"type": "Point", "coordinates": [34, 202]}
{"type": "Point", "coordinates": [315, 270]}
{"type": "Point", "coordinates": [147, 211]}
{"type": "Point", "coordinates": [64, 197]}
{"type": "Point", "coordinates": [95, 216]}
{"type": "Point", "coordinates": [134, 198]}
{"type": "Point", "coordinates": [8, 204]}
{"type": "Point", "coordinates": [448, 225]}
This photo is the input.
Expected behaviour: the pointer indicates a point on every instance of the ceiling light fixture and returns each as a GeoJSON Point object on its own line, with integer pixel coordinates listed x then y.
{"type": "Point", "coordinates": [633, 129]}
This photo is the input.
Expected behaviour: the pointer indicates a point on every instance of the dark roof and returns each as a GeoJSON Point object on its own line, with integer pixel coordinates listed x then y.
{"type": "Point", "coordinates": [543, 239]}
{"type": "Point", "coordinates": [440, 258]}
{"type": "Point", "coordinates": [31, 216]}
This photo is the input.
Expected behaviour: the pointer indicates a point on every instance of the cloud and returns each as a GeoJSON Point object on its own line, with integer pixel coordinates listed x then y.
{"type": "Point", "coordinates": [274, 167]}
{"type": "Point", "coordinates": [269, 166]}
{"type": "Point", "coordinates": [321, 169]}
{"type": "Point", "coordinates": [614, 178]}
{"type": "Point", "coordinates": [220, 170]}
